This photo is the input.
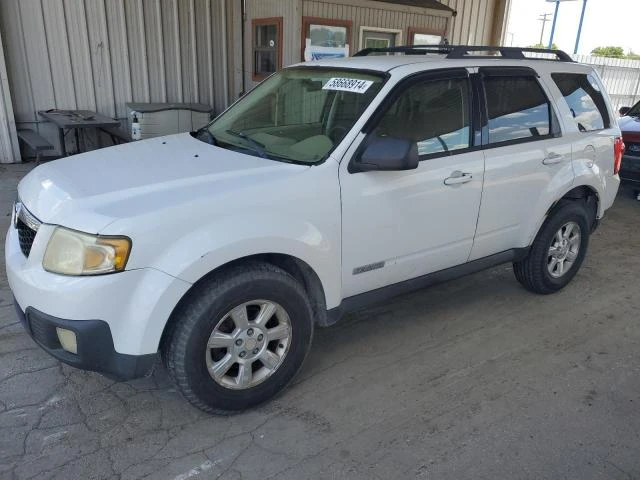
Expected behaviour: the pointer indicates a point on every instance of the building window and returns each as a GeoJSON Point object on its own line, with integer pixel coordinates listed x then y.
{"type": "Point", "coordinates": [424, 36]}
{"type": "Point", "coordinates": [585, 100]}
{"type": "Point", "coordinates": [267, 46]}
{"type": "Point", "coordinates": [325, 38]}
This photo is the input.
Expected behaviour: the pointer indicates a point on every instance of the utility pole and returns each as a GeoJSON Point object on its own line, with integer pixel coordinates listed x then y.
{"type": "Point", "coordinates": [543, 18]}
{"type": "Point", "coordinates": [553, 25]}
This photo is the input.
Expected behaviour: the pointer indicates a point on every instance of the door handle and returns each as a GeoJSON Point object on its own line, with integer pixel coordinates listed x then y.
{"type": "Point", "coordinates": [553, 158]}
{"type": "Point", "coordinates": [458, 178]}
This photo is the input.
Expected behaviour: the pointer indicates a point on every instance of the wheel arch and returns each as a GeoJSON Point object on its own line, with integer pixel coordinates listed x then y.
{"type": "Point", "coordinates": [584, 193]}
{"type": "Point", "coordinates": [297, 268]}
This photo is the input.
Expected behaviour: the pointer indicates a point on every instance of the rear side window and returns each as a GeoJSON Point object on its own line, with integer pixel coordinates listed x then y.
{"type": "Point", "coordinates": [585, 100]}
{"type": "Point", "coordinates": [432, 113]}
{"type": "Point", "coordinates": [517, 109]}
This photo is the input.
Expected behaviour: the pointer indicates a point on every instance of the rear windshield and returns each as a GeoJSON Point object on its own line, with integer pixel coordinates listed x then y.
{"type": "Point", "coordinates": [297, 115]}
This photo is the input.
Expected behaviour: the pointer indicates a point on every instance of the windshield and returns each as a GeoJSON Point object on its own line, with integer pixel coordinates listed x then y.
{"type": "Point", "coordinates": [297, 115]}
{"type": "Point", "coordinates": [635, 110]}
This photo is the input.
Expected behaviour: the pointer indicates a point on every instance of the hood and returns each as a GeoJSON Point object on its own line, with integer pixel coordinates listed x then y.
{"type": "Point", "coordinates": [89, 191]}
{"type": "Point", "coordinates": [630, 127]}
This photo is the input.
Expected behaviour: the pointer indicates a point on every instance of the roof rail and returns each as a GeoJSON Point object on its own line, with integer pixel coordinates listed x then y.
{"type": "Point", "coordinates": [465, 51]}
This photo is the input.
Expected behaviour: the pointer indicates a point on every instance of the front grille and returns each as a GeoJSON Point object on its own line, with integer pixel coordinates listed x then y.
{"type": "Point", "coordinates": [27, 226]}
{"type": "Point", "coordinates": [26, 236]}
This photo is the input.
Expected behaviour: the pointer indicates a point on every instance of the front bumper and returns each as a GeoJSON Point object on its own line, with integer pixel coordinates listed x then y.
{"type": "Point", "coordinates": [95, 349]}
{"type": "Point", "coordinates": [630, 170]}
{"type": "Point", "coordinates": [131, 308]}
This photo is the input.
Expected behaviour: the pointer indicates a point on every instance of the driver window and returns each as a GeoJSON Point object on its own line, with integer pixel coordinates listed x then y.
{"type": "Point", "coordinates": [434, 114]}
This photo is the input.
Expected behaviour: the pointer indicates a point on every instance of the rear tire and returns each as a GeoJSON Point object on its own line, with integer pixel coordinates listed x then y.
{"type": "Point", "coordinates": [239, 338]}
{"type": "Point", "coordinates": [558, 250]}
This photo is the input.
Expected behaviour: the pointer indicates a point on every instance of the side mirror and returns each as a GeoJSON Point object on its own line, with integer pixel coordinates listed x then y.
{"type": "Point", "coordinates": [387, 154]}
{"type": "Point", "coordinates": [623, 111]}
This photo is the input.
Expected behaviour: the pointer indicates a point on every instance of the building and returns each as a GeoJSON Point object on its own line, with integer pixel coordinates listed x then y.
{"type": "Point", "coordinates": [100, 54]}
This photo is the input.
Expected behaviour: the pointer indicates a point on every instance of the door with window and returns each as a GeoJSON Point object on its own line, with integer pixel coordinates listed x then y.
{"type": "Point", "coordinates": [267, 47]}
{"type": "Point", "coordinates": [526, 159]}
{"type": "Point", "coordinates": [400, 225]}
{"type": "Point", "coordinates": [589, 132]}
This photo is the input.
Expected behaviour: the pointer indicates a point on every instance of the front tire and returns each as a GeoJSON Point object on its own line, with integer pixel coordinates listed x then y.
{"type": "Point", "coordinates": [239, 338]}
{"type": "Point", "coordinates": [558, 251]}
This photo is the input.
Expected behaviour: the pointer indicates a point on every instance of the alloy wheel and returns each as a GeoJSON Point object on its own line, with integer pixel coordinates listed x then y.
{"type": "Point", "coordinates": [248, 344]}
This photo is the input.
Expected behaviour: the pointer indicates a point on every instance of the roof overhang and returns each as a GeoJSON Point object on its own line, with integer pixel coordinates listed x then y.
{"type": "Point", "coordinates": [430, 4]}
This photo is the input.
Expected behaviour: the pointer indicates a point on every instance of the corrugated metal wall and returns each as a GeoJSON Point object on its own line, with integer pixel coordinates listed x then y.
{"type": "Point", "coordinates": [376, 14]}
{"type": "Point", "coordinates": [100, 54]}
{"type": "Point", "coordinates": [9, 151]}
{"type": "Point", "coordinates": [475, 21]}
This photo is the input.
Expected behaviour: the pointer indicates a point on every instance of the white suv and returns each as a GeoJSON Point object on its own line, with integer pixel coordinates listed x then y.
{"type": "Point", "coordinates": [332, 185]}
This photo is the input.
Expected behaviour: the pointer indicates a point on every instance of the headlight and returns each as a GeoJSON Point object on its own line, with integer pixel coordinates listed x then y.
{"type": "Point", "coordinates": [75, 253]}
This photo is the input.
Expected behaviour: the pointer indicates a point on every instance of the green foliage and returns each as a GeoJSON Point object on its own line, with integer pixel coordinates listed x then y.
{"type": "Point", "coordinates": [539, 45]}
{"type": "Point", "coordinates": [613, 52]}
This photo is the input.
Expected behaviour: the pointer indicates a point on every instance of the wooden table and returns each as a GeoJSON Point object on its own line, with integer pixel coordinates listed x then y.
{"type": "Point", "coordinates": [76, 120]}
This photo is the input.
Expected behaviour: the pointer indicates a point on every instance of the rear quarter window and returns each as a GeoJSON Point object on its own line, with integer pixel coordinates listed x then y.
{"type": "Point", "coordinates": [585, 100]}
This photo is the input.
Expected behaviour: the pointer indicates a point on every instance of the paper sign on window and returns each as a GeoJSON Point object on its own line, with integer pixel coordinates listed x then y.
{"type": "Point", "coordinates": [353, 85]}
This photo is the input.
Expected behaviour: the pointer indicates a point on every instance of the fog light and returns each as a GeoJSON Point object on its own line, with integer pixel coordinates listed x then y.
{"type": "Point", "coordinates": [67, 340]}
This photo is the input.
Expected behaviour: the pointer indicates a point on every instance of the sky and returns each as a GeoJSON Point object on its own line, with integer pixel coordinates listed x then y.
{"type": "Point", "coordinates": [606, 23]}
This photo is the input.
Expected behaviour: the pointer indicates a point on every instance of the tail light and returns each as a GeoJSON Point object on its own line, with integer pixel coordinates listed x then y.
{"type": "Point", "coordinates": [618, 151]}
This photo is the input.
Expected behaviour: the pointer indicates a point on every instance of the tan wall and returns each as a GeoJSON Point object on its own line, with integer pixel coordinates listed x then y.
{"type": "Point", "coordinates": [376, 14]}
{"type": "Point", "coordinates": [479, 22]}
{"type": "Point", "coordinates": [100, 54]}
{"type": "Point", "coordinates": [360, 12]}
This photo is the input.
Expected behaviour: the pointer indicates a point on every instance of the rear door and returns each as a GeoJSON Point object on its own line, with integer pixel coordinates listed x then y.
{"type": "Point", "coordinates": [527, 159]}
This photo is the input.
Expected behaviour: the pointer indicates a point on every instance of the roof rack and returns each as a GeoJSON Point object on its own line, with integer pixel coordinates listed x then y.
{"type": "Point", "coordinates": [465, 51]}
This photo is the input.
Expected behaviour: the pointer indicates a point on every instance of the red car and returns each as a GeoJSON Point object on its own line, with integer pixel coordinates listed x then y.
{"type": "Point", "coordinates": [630, 126]}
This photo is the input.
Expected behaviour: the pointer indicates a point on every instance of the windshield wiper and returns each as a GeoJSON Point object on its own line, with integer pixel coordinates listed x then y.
{"type": "Point", "coordinates": [257, 146]}
{"type": "Point", "coordinates": [210, 138]}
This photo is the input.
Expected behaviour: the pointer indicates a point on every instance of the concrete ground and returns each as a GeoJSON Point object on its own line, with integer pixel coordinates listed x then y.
{"type": "Point", "coordinates": [476, 378]}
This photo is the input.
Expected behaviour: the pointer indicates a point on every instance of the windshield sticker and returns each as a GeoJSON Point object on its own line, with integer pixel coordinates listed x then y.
{"type": "Point", "coordinates": [348, 85]}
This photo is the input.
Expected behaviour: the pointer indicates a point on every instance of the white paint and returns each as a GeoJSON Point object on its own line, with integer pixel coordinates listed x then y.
{"type": "Point", "coordinates": [203, 467]}
{"type": "Point", "coordinates": [54, 437]}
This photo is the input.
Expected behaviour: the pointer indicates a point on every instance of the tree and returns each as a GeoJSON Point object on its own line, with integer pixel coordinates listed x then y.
{"type": "Point", "coordinates": [539, 45]}
{"type": "Point", "coordinates": [614, 52]}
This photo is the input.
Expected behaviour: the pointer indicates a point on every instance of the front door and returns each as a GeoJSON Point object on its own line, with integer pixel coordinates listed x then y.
{"type": "Point", "coordinates": [378, 39]}
{"type": "Point", "coordinates": [403, 224]}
